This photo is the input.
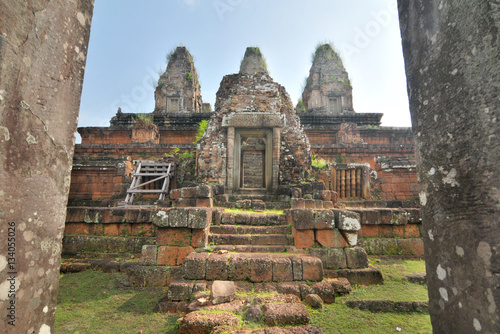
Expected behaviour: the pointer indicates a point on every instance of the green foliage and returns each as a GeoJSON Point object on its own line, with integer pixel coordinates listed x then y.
{"type": "Point", "coordinates": [202, 126]}
{"type": "Point", "coordinates": [170, 54]}
{"type": "Point", "coordinates": [173, 152]}
{"type": "Point", "coordinates": [318, 162]}
{"type": "Point", "coordinates": [339, 159]}
{"type": "Point", "coordinates": [144, 121]}
{"type": "Point", "coordinates": [300, 106]}
{"type": "Point", "coordinates": [327, 50]}
{"type": "Point", "coordinates": [189, 76]}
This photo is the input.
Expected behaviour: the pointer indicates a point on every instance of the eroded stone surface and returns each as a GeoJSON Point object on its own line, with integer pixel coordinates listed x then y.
{"type": "Point", "coordinates": [452, 66]}
{"type": "Point", "coordinates": [42, 60]}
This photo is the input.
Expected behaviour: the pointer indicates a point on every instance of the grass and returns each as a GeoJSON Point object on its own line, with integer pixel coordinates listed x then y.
{"type": "Point", "coordinates": [95, 302]}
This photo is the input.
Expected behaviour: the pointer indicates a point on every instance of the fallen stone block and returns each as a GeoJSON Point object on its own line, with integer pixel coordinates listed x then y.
{"type": "Point", "coordinates": [180, 290]}
{"type": "Point", "coordinates": [325, 291]}
{"type": "Point", "coordinates": [200, 322]}
{"type": "Point", "coordinates": [356, 258]}
{"type": "Point", "coordinates": [285, 314]}
{"type": "Point", "coordinates": [222, 292]}
{"type": "Point", "coordinates": [347, 220]}
{"type": "Point", "coordinates": [314, 301]}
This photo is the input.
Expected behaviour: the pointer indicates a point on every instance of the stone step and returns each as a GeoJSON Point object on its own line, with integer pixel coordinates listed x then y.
{"type": "Point", "coordinates": [256, 219]}
{"type": "Point", "coordinates": [253, 267]}
{"type": "Point", "coordinates": [256, 249]}
{"type": "Point", "coordinates": [248, 229]}
{"type": "Point", "coordinates": [252, 239]}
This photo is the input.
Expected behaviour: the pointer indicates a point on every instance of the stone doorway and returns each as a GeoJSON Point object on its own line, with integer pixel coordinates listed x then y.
{"type": "Point", "coordinates": [253, 159]}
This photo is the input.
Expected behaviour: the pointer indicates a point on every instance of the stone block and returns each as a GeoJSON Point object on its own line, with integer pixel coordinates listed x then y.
{"type": "Point", "coordinates": [332, 258]}
{"type": "Point", "coordinates": [414, 246]}
{"type": "Point", "coordinates": [334, 197]}
{"type": "Point", "coordinates": [180, 290]}
{"type": "Point", "coordinates": [297, 203]}
{"type": "Point", "coordinates": [285, 314]}
{"type": "Point", "coordinates": [261, 268]}
{"type": "Point", "coordinates": [393, 217]}
{"type": "Point", "coordinates": [367, 276]}
{"type": "Point", "coordinates": [297, 268]}
{"type": "Point", "coordinates": [198, 322]}
{"type": "Point", "coordinates": [351, 237]}
{"type": "Point", "coordinates": [199, 238]}
{"type": "Point", "coordinates": [341, 285]}
{"type": "Point", "coordinates": [204, 191]}
{"type": "Point", "coordinates": [204, 202]}
{"type": "Point", "coordinates": [282, 269]}
{"type": "Point", "coordinates": [239, 268]}
{"type": "Point", "coordinates": [194, 266]}
{"type": "Point", "coordinates": [310, 203]}
{"type": "Point", "coordinates": [160, 218]}
{"type": "Point", "coordinates": [414, 216]}
{"type": "Point", "coordinates": [356, 258]}
{"type": "Point", "coordinates": [326, 195]}
{"type": "Point", "coordinates": [173, 255]}
{"type": "Point", "coordinates": [175, 194]}
{"type": "Point", "coordinates": [147, 276]}
{"type": "Point", "coordinates": [222, 292]}
{"type": "Point", "coordinates": [217, 216]}
{"type": "Point", "coordinates": [369, 231]}
{"type": "Point", "coordinates": [76, 229]}
{"type": "Point", "coordinates": [199, 218]}
{"type": "Point", "coordinates": [188, 192]}
{"type": "Point", "coordinates": [170, 236]}
{"type": "Point", "coordinates": [216, 267]}
{"type": "Point", "coordinates": [303, 238]}
{"type": "Point", "coordinates": [318, 204]}
{"type": "Point", "coordinates": [324, 290]}
{"type": "Point", "coordinates": [178, 217]}
{"type": "Point", "coordinates": [228, 218]}
{"type": "Point", "coordinates": [327, 205]}
{"type": "Point", "coordinates": [314, 301]}
{"type": "Point", "coordinates": [324, 220]}
{"type": "Point", "coordinates": [148, 255]}
{"type": "Point", "coordinates": [386, 231]}
{"type": "Point", "coordinates": [302, 219]}
{"type": "Point", "coordinates": [185, 203]}
{"type": "Point", "coordinates": [412, 231]}
{"type": "Point", "coordinates": [347, 220]}
{"type": "Point", "coordinates": [398, 231]}
{"type": "Point", "coordinates": [289, 288]}
{"type": "Point", "coordinates": [370, 217]}
{"type": "Point", "coordinates": [312, 268]}
{"type": "Point", "coordinates": [258, 205]}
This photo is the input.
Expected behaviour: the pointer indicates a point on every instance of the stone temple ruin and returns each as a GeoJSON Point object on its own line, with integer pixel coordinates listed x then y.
{"type": "Point", "coordinates": [257, 152]}
{"type": "Point", "coordinates": [450, 51]}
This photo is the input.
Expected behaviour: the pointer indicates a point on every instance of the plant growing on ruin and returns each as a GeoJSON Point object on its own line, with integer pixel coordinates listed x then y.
{"type": "Point", "coordinates": [202, 126]}
{"type": "Point", "coordinates": [318, 162]}
{"type": "Point", "coordinates": [300, 106]}
{"type": "Point", "coordinates": [144, 121]}
{"type": "Point", "coordinates": [189, 76]}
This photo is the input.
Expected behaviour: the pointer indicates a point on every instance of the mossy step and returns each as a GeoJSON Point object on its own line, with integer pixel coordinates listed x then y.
{"type": "Point", "coordinates": [253, 267]}
{"type": "Point", "coordinates": [248, 229]}
{"type": "Point", "coordinates": [254, 249]}
{"type": "Point", "coordinates": [255, 219]}
{"type": "Point", "coordinates": [252, 239]}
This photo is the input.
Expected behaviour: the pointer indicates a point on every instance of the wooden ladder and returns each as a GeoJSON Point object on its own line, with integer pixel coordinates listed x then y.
{"type": "Point", "coordinates": [152, 171]}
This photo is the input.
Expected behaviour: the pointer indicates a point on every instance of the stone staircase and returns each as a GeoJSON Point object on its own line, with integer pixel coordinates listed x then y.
{"type": "Point", "coordinates": [252, 232]}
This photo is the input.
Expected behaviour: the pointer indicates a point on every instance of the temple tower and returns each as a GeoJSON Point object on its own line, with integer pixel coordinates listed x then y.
{"type": "Point", "coordinates": [254, 140]}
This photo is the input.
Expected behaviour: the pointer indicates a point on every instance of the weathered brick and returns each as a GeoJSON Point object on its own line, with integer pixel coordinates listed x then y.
{"type": "Point", "coordinates": [194, 266]}
{"type": "Point", "coordinates": [148, 254]}
{"type": "Point", "coordinates": [347, 220]}
{"type": "Point", "coordinates": [216, 267]}
{"type": "Point", "coordinates": [282, 269]}
{"type": "Point", "coordinates": [199, 218]}
{"type": "Point", "coordinates": [302, 219]}
{"type": "Point", "coordinates": [303, 238]}
{"type": "Point", "coordinates": [369, 231]}
{"type": "Point", "coordinates": [204, 202]}
{"type": "Point", "coordinates": [261, 268]}
{"type": "Point", "coordinates": [199, 237]}
{"type": "Point", "coordinates": [171, 236]}
{"type": "Point", "coordinates": [324, 220]}
{"type": "Point", "coordinates": [356, 258]}
{"type": "Point", "coordinates": [297, 203]}
{"type": "Point", "coordinates": [312, 268]}
{"type": "Point", "coordinates": [412, 231]}
{"type": "Point", "coordinates": [204, 191]}
{"type": "Point", "coordinates": [188, 192]}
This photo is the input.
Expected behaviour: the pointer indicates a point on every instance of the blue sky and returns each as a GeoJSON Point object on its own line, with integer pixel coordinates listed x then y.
{"type": "Point", "coordinates": [130, 39]}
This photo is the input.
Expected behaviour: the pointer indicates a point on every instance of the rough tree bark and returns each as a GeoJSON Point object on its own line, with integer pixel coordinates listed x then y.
{"type": "Point", "coordinates": [43, 47]}
{"type": "Point", "coordinates": [452, 56]}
